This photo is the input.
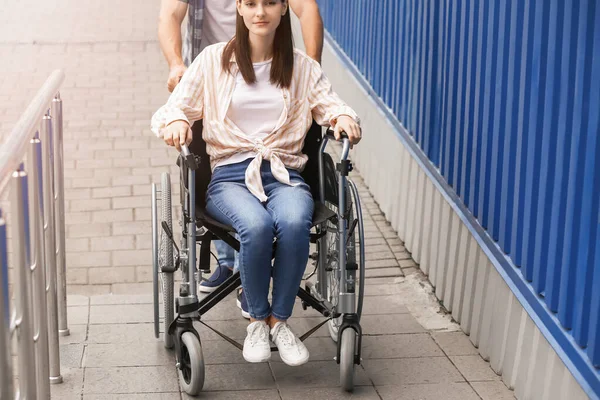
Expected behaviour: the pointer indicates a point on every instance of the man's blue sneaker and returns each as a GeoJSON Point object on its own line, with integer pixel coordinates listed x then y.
{"type": "Point", "coordinates": [242, 304]}
{"type": "Point", "coordinates": [218, 277]}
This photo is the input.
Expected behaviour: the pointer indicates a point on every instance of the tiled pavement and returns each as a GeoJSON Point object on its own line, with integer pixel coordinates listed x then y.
{"type": "Point", "coordinates": [115, 80]}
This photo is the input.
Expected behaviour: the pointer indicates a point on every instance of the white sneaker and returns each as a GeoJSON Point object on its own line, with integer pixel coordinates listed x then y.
{"type": "Point", "coordinates": [256, 346]}
{"type": "Point", "coordinates": [291, 350]}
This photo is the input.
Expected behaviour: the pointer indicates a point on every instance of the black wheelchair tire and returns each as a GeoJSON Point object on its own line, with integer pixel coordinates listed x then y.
{"type": "Point", "coordinates": [166, 259]}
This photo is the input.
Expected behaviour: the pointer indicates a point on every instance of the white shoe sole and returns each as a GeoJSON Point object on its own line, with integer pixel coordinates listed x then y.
{"type": "Point", "coordinates": [257, 359]}
{"type": "Point", "coordinates": [295, 363]}
{"type": "Point", "coordinates": [206, 289]}
{"type": "Point", "coordinates": [244, 313]}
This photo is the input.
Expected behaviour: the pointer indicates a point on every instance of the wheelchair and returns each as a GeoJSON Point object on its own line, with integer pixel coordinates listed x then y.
{"type": "Point", "coordinates": [334, 287]}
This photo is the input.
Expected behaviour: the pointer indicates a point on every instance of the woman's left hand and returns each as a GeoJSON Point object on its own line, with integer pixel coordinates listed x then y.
{"type": "Point", "coordinates": [346, 124]}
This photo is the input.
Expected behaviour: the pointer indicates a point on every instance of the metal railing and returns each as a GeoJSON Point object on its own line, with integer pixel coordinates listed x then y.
{"type": "Point", "coordinates": [37, 226]}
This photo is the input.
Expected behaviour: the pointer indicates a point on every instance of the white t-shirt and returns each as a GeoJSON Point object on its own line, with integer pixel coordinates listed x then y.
{"type": "Point", "coordinates": [255, 109]}
{"type": "Point", "coordinates": [218, 21]}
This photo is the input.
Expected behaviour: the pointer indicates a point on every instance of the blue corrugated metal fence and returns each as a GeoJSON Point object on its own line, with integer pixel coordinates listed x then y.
{"type": "Point", "coordinates": [503, 96]}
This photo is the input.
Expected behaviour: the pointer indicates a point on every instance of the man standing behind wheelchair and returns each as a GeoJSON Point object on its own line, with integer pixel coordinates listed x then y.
{"type": "Point", "coordinates": [210, 22]}
{"type": "Point", "coordinates": [257, 97]}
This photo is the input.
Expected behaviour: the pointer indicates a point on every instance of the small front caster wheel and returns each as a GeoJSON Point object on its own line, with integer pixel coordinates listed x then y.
{"type": "Point", "coordinates": [191, 370]}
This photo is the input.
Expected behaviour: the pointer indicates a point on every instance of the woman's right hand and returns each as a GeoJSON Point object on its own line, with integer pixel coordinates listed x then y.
{"type": "Point", "coordinates": [177, 133]}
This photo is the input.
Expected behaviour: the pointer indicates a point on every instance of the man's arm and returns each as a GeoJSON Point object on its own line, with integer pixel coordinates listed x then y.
{"type": "Point", "coordinates": [312, 26]}
{"type": "Point", "coordinates": [172, 14]}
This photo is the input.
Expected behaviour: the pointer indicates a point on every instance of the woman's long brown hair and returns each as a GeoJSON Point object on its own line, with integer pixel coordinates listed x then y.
{"type": "Point", "coordinates": [283, 52]}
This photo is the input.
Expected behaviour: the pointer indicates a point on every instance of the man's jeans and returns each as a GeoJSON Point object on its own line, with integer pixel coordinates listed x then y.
{"type": "Point", "coordinates": [227, 255]}
{"type": "Point", "coordinates": [286, 215]}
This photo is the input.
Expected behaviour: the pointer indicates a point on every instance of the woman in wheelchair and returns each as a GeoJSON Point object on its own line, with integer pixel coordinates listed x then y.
{"type": "Point", "coordinates": [257, 97]}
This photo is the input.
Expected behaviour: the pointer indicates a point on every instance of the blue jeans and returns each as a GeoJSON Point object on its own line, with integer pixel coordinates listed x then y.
{"type": "Point", "coordinates": [227, 255]}
{"type": "Point", "coordinates": [286, 215]}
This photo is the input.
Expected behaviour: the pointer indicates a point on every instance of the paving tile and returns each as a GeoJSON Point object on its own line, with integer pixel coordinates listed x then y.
{"type": "Point", "coordinates": [77, 334]}
{"type": "Point", "coordinates": [314, 374]}
{"type": "Point", "coordinates": [130, 380]}
{"type": "Point", "coordinates": [270, 394]}
{"type": "Point", "coordinates": [134, 396]}
{"type": "Point", "coordinates": [124, 313]}
{"type": "Point", "coordinates": [493, 390]}
{"type": "Point", "coordinates": [383, 305]}
{"type": "Point", "coordinates": [383, 272]}
{"type": "Point", "coordinates": [121, 333]}
{"type": "Point", "coordinates": [235, 329]}
{"type": "Point", "coordinates": [394, 323]}
{"type": "Point", "coordinates": [455, 343]}
{"type": "Point", "coordinates": [301, 393]}
{"type": "Point", "coordinates": [382, 290]}
{"type": "Point", "coordinates": [474, 368]}
{"type": "Point", "coordinates": [128, 355]}
{"type": "Point", "coordinates": [71, 355]}
{"type": "Point", "coordinates": [109, 299]}
{"type": "Point", "coordinates": [402, 371]}
{"type": "Point", "coordinates": [77, 315]}
{"type": "Point", "coordinates": [246, 376]}
{"type": "Point", "coordinates": [434, 391]}
{"type": "Point", "coordinates": [400, 346]}
{"type": "Point", "coordinates": [77, 300]}
{"type": "Point", "coordinates": [131, 288]}
{"type": "Point", "coordinates": [219, 351]}
{"type": "Point", "coordinates": [71, 386]}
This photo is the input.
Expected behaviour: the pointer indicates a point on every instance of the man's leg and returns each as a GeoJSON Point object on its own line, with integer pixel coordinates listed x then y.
{"type": "Point", "coordinates": [225, 254]}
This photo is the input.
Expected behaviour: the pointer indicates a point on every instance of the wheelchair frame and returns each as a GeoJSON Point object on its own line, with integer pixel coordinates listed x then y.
{"type": "Point", "coordinates": [189, 308]}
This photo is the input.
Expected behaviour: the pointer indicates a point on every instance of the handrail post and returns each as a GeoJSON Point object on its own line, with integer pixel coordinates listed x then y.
{"type": "Point", "coordinates": [40, 308]}
{"type": "Point", "coordinates": [50, 249]}
{"type": "Point", "coordinates": [6, 374]}
{"type": "Point", "coordinates": [23, 320]}
{"type": "Point", "coordinates": [59, 213]}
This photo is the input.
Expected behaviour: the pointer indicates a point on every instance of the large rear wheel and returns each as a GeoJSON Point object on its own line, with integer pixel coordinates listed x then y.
{"type": "Point", "coordinates": [166, 261]}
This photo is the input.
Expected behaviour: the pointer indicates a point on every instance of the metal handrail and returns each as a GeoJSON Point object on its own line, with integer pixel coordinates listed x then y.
{"type": "Point", "coordinates": [13, 149]}
{"type": "Point", "coordinates": [37, 225]}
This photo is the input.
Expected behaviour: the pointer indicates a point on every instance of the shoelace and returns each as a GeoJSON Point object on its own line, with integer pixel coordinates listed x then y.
{"type": "Point", "coordinates": [286, 337]}
{"type": "Point", "coordinates": [261, 334]}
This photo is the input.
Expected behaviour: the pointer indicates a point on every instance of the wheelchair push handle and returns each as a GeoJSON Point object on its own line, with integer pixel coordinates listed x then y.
{"type": "Point", "coordinates": [188, 157]}
{"type": "Point", "coordinates": [330, 135]}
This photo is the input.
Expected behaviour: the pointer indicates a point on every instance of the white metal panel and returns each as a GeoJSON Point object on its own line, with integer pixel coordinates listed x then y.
{"type": "Point", "coordinates": [451, 260]}
{"type": "Point", "coordinates": [418, 223]}
{"type": "Point", "coordinates": [442, 259]}
{"type": "Point", "coordinates": [427, 231]}
{"type": "Point", "coordinates": [435, 238]}
{"type": "Point", "coordinates": [468, 294]}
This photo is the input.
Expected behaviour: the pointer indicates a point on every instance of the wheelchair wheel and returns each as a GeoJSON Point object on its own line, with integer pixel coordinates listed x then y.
{"type": "Point", "coordinates": [166, 258]}
{"type": "Point", "coordinates": [347, 349]}
{"type": "Point", "coordinates": [355, 244]}
{"type": "Point", "coordinates": [191, 369]}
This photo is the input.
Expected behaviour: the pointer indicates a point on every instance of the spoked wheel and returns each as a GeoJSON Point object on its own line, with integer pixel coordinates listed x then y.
{"type": "Point", "coordinates": [191, 369]}
{"type": "Point", "coordinates": [166, 259]}
{"type": "Point", "coordinates": [347, 351]}
{"type": "Point", "coordinates": [354, 253]}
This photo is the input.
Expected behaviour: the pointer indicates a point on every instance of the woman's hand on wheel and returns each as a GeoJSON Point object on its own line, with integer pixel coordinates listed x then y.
{"type": "Point", "coordinates": [346, 124]}
{"type": "Point", "coordinates": [178, 133]}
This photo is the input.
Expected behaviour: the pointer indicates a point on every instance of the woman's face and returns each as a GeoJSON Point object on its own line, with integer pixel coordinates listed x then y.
{"type": "Point", "coordinates": [262, 17]}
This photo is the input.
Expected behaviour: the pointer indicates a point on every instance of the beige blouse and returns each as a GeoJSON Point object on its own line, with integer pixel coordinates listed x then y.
{"type": "Point", "coordinates": [205, 92]}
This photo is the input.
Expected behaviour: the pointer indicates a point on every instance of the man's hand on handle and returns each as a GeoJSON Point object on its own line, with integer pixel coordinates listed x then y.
{"type": "Point", "coordinates": [178, 133]}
